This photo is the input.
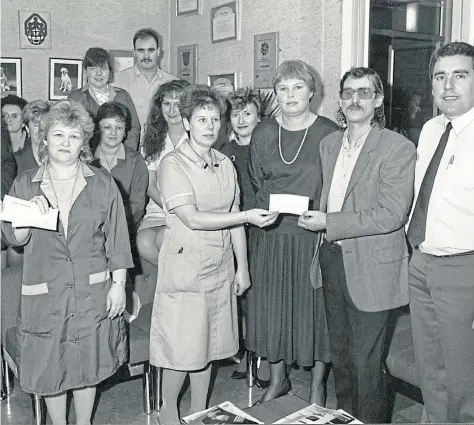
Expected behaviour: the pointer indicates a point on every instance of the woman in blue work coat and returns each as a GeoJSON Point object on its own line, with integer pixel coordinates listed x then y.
{"type": "Point", "coordinates": [71, 331]}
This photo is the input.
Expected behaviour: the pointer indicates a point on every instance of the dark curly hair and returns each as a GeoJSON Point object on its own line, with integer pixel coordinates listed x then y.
{"type": "Point", "coordinates": [239, 99]}
{"type": "Point", "coordinates": [379, 115]}
{"type": "Point", "coordinates": [110, 110]}
{"type": "Point", "coordinates": [156, 126]}
{"type": "Point", "coordinates": [200, 96]}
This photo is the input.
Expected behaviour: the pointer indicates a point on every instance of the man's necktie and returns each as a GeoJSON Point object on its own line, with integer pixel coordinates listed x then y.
{"type": "Point", "coordinates": [417, 228]}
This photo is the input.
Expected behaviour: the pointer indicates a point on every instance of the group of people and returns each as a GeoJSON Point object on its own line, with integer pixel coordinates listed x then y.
{"type": "Point", "coordinates": [319, 287]}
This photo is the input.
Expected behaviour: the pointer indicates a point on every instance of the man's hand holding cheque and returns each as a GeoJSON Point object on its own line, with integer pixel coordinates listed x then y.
{"type": "Point", "coordinates": [312, 220]}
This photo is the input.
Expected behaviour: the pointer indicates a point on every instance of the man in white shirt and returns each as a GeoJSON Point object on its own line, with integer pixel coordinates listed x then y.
{"type": "Point", "coordinates": [144, 78]}
{"type": "Point", "coordinates": [368, 174]}
{"type": "Point", "coordinates": [441, 232]}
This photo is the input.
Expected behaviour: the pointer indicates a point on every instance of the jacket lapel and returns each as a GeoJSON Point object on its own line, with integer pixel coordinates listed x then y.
{"type": "Point", "coordinates": [370, 145]}
{"type": "Point", "coordinates": [328, 170]}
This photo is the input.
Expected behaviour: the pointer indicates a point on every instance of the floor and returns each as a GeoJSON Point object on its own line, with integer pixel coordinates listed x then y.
{"type": "Point", "coordinates": [122, 402]}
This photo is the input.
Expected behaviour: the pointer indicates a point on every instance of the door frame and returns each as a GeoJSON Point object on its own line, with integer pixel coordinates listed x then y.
{"type": "Point", "coordinates": [458, 25]}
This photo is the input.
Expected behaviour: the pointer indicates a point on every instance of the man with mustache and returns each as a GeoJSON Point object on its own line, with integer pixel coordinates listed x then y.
{"type": "Point", "coordinates": [441, 232]}
{"type": "Point", "coordinates": [144, 78]}
{"type": "Point", "coordinates": [362, 263]}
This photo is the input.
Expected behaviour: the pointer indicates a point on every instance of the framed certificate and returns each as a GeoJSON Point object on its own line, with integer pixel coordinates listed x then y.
{"type": "Point", "coordinates": [265, 59]}
{"type": "Point", "coordinates": [123, 59]}
{"type": "Point", "coordinates": [187, 7]}
{"type": "Point", "coordinates": [187, 63]}
{"type": "Point", "coordinates": [223, 83]}
{"type": "Point", "coordinates": [224, 22]}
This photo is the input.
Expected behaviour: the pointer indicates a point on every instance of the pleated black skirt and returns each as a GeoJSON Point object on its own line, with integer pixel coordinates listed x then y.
{"type": "Point", "coordinates": [286, 317]}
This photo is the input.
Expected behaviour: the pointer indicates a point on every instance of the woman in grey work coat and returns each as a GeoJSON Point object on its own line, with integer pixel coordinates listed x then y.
{"type": "Point", "coordinates": [71, 331]}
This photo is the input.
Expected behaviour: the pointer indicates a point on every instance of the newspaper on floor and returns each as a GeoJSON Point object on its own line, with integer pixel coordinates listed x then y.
{"type": "Point", "coordinates": [224, 413]}
{"type": "Point", "coordinates": [315, 414]}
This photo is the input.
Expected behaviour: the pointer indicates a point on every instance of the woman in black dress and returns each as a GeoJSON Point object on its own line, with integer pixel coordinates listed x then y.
{"type": "Point", "coordinates": [286, 319]}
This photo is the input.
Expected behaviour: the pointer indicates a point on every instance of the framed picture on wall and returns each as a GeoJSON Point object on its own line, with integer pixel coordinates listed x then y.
{"type": "Point", "coordinates": [123, 59]}
{"type": "Point", "coordinates": [10, 76]}
{"type": "Point", "coordinates": [225, 22]}
{"type": "Point", "coordinates": [65, 76]}
{"type": "Point", "coordinates": [34, 29]}
{"type": "Point", "coordinates": [187, 7]}
{"type": "Point", "coordinates": [223, 83]}
{"type": "Point", "coordinates": [187, 63]}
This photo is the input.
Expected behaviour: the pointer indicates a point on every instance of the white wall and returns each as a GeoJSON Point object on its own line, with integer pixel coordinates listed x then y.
{"type": "Point", "coordinates": [76, 26]}
{"type": "Point", "coordinates": [309, 30]}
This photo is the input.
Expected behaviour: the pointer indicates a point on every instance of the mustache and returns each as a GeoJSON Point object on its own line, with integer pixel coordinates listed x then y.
{"type": "Point", "coordinates": [355, 106]}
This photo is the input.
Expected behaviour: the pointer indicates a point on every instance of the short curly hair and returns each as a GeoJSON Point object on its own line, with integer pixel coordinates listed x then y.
{"type": "Point", "coordinates": [96, 56]}
{"type": "Point", "coordinates": [71, 114]}
{"type": "Point", "coordinates": [199, 96]}
{"type": "Point", "coordinates": [239, 99]}
{"type": "Point", "coordinates": [35, 110]}
{"type": "Point", "coordinates": [360, 72]}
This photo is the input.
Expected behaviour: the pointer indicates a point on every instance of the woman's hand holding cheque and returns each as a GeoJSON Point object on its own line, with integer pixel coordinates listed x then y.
{"type": "Point", "coordinates": [261, 218]}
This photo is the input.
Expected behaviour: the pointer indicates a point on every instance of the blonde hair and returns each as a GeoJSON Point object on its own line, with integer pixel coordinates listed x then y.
{"type": "Point", "coordinates": [71, 114]}
{"type": "Point", "coordinates": [298, 70]}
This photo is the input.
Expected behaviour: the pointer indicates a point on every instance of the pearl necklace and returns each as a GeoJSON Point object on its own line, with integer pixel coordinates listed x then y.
{"type": "Point", "coordinates": [299, 149]}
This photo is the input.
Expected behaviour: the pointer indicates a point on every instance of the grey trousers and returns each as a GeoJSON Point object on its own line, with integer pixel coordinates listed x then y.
{"type": "Point", "coordinates": [442, 316]}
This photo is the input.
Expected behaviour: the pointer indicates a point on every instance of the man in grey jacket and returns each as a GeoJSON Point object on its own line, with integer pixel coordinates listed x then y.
{"type": "Point", "coordinates": [368, 174]}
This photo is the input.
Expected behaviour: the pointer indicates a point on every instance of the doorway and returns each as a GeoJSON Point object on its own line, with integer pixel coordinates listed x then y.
{"type": "Point", "coordinates": [402, 36]}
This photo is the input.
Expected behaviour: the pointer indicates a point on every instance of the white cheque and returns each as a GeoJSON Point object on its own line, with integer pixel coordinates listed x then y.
{"type": "Point", "coordinates": [23, 213]}
{"type": "Point", "coordinates": [291, 204]}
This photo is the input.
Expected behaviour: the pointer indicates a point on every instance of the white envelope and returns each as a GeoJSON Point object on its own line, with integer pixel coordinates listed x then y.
{"type": "Point", "coordinates": [291, 204]}
{"type": "Point", "coordinates": [23, 213]}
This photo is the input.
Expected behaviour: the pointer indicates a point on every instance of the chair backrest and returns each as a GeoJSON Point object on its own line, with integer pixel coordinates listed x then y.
{"type": "Point", "coordinates": [10, 287]}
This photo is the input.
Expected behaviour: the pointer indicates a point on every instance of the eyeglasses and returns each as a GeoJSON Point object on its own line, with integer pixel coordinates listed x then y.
{"type": "Point", "coordinates": [12, 117]}
{"type": "Point", "coordinates": [363, 93]}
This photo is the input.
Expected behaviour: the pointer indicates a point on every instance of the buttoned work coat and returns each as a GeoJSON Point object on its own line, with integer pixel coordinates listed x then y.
{"type": "Point", "coordinates": [371, 224]}
{"type": "Point", "coordinates": [65, 339]}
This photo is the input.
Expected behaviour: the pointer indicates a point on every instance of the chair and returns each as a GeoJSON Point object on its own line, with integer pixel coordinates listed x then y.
{"type": "Point", "coordinates": [139, 338]}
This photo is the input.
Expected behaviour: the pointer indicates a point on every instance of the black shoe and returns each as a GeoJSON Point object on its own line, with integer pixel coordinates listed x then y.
{"type": "Point", "coordinates": [262, 383]}
{"type": "Point", "coordinates": [238, 375]}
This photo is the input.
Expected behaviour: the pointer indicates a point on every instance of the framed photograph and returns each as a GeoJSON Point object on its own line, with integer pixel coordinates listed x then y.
{"type": "Point", "coordinates": [187, 63]}
{"type": "Point", "coordinates": [265, 59]}
{"type": "Point", "coordinates": [35, 29]}
{"type": "Point", "coordinates": [223, 83]}
{"type": "Point", "coordinates": [224, 22]}
{"type": "Point", "coordinates": [10, 76]}
{"type": "Point", "coordinates": [65, 75]}
{"type": "Point", "coordinates": [123, 59]}
{"type": "Point", "coordinates": [187, 7]}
